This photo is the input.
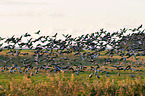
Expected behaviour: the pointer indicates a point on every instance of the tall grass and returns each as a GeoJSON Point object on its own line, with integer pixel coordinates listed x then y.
{"type": "Point", "coordinates": [60, 85]}
{"type": "Point", "coordinates": [69, 84]}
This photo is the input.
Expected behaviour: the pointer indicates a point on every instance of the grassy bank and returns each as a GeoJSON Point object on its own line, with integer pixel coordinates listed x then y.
{"type": "Point", "coordinates": [70, 84]}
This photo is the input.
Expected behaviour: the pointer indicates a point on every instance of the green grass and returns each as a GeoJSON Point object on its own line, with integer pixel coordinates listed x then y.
{"type": "Point", "coordinates": [68, 83]}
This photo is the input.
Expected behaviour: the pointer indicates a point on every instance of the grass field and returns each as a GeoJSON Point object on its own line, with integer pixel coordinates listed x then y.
{"type": "Point", "coordinates": [68, 83]}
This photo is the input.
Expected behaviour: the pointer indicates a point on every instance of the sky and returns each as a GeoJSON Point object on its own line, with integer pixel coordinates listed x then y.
{"type": "Point", "coordinates": [75, 17]}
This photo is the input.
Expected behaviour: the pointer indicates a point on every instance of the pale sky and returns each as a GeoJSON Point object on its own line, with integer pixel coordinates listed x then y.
{"type": "Point", "coordinates": [75, 17]}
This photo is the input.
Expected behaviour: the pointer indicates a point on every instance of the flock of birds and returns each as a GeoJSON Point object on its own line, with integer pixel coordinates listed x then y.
{"type": "Point", "coordinates": [50, 53]}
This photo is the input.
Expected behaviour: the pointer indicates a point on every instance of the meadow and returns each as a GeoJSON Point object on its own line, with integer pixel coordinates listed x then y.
{"type": "Point", "coordinates": [68, 83]}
